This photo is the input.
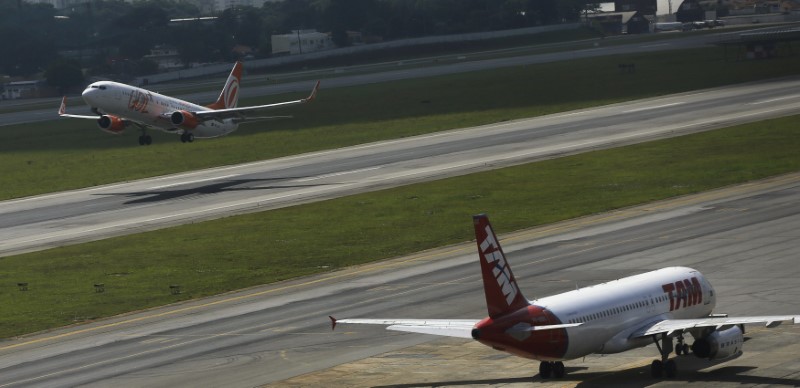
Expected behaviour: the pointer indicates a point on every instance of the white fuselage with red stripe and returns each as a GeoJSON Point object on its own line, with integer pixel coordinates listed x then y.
{"type": "Point", "coordinates": [611, 312]}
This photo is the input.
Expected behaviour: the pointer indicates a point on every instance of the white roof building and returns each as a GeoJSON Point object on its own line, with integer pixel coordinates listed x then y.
{"type": "Point", "coordinates": [301, 41]}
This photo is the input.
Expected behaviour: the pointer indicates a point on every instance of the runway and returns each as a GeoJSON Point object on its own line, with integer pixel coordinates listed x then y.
{"type": "Point", "coordinates": [82, 215]}
{"type": "Point", "coordinates": [745, 239]}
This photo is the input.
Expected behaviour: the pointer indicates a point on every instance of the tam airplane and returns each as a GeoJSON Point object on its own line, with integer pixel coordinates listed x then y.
{"type": "Point", "coordinates": [119, 105]}
{"type": "Point", "coordinates": [658, 307]}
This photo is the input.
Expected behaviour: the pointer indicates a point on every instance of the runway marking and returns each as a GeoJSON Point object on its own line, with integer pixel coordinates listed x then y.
{"type": "Point", "coordinates": [775, 99]}
{"type": "Point", "coordinates": [194, 181]}
{"type": "Point", "coordinates": [338, 174]}
{"type": "Point", "coordinates": [656, 45]}
{"type": "Point", "coordinates": [98, 363]}
{"type": "Point", "coordinates": [653, 107]}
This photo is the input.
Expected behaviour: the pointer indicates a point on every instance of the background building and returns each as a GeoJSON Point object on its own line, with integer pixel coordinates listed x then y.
{"type": "Point", "coordinates": [204, 5]}
{"type": "Point", "coordinates": [301, 41]}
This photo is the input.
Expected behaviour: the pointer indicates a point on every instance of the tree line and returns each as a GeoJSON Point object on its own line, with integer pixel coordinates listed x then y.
{"type": "Point", "coordinates": [112, 36]}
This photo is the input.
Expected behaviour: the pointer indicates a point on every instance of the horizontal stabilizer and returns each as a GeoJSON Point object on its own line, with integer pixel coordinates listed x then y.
{"type": "Point", "coordinates": [554, 327]}
{"type": "Point", "coordinates": [445, 331]}
{"type": "Point", "coordinates": [460, 328]}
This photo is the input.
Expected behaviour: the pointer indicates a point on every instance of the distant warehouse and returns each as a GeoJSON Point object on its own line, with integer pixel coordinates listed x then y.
{"type": "Point", "coordinates": [615, 23]}
{"type": "Point", "coordinates": [301, 41]}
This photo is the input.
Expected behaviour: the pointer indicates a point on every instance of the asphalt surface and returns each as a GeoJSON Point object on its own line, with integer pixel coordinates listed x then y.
{"type": "Point", "coordinates": [83, 215]}
{"type": "Point", "coordinates": [745, 239]}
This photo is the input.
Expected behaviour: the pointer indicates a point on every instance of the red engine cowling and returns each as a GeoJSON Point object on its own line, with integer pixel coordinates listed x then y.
{"type": "Point", "coordinates": [719, 344]}
{"type": "Point", "coordinates": [184, 119]}
{"type": "Point", "coordinates": [111, 124]}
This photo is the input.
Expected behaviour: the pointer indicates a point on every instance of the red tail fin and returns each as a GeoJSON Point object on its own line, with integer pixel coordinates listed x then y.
{"type": "Point", "coordinates": [230, 93]}
{"type": "Point", "coordinates": [502, 294]}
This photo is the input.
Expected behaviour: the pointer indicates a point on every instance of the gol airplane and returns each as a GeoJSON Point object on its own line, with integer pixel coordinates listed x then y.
{"type": "Point", "coordinates": [119, 105]}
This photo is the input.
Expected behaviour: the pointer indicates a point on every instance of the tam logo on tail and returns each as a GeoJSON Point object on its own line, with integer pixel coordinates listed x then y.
{"type": "Point", "coordinates": [502, 293]}
{"type": "Point", "coordinates": [493, 255]}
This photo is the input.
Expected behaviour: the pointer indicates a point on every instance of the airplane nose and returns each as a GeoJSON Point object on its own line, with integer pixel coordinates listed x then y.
{"type": "Point", "coordinates": [88, 95]}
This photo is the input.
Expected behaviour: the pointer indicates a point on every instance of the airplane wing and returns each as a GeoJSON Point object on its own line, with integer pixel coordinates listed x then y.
{"type": "Point", "coordinates": [62, 111]}
{"type": "Point", "coordinates": [245, 113]}
{"type": "Point", "coordinates": [460, 328]}
{"type": "Point", "coordinates": [670, 326]}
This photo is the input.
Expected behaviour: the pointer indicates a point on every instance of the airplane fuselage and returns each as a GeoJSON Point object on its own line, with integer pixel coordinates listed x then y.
{"type": "Point", "coordinates": [149, 108]}
{"type": "Point", "coordinates": [609, 314]}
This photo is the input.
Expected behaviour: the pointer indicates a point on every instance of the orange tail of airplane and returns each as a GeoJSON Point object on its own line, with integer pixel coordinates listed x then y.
{"type": "Point", "coordinates": [229, 97]}
{"type": "Point", "coordinates": [502, 293]}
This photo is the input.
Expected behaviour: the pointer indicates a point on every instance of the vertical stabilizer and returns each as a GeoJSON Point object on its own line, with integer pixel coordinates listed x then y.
{"type": "Point", "coordinates": [230, 93]}
{"type": "Point", "coordinates": [499, 285]}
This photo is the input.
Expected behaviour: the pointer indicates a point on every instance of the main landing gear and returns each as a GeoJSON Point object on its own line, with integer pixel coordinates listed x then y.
{"type": "Point", "coordinates": [555, 369]}
{"type": "Point", "coordinates": [665, 366]}
{"type": "Point", "coordinates": [187, 137]}
{"type": "Point", "coordinates": [144, 138]}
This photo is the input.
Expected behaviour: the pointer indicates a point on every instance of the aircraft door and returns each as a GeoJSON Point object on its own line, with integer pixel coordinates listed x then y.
{"type": "Point", "coordinates": [708, 292]}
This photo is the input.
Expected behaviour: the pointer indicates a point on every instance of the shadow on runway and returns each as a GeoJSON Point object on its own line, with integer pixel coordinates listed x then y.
{"type": "Point", "coordinates": [511, 380]}
{"type": "Point", "coordinates": [688, 373]}
{"type": "Point", "coordinates": [150, 196]}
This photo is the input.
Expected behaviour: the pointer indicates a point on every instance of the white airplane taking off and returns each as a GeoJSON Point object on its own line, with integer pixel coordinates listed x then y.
{"type": "Point", "coordinates": [119, 105]}
{"type": "Point", "coordinates": [653, 307]}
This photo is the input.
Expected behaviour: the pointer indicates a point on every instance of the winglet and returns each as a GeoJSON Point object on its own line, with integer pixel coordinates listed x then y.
{"type": "Point", "coordinates": [313, 94]}
{"type": "Point", "coordinates": [333, 322]}
{"type": "Point", "coordinates": [63, 109]}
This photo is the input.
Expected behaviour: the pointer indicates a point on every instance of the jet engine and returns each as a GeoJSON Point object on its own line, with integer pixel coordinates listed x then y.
{"type": "Point", "coordinates": [184, 119]}
{"type": "Point", "coordinates": [719, 344]}
{"type": "Point", "coordinates": [111, 124]}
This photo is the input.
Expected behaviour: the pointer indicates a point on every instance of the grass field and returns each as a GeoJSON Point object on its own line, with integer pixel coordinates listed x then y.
{"type": "Point", "coordinates": [236, 252]}
{"type": "Point", "coordinates": [67, 154]}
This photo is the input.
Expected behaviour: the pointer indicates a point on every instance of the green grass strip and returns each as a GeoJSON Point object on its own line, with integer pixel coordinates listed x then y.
{"type": "Point", "coordinates": [237, 252]}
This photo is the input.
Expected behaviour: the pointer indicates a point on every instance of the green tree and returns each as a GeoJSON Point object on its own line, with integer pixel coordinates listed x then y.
{"type": "Point", "coordinates": [64, 74]}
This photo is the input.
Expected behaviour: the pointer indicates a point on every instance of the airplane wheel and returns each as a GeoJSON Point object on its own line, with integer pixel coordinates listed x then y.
{"type": "Point", "coordinates": [685, 349]}
{"type": "Point", "coordinates": [671, 369]}
{"type": "Point", "coordinates": [141, 140]}
{"type": "Point", "coordinates": [190, 138]}
{"type": "Point", "coordinates": [656, 369]}
{"type": "Point", "coordinates": [545, 369]}
{"type": "Point", "coordinates": [148, 140]}
{"type": "Point", "coordinates": [558, 369]}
